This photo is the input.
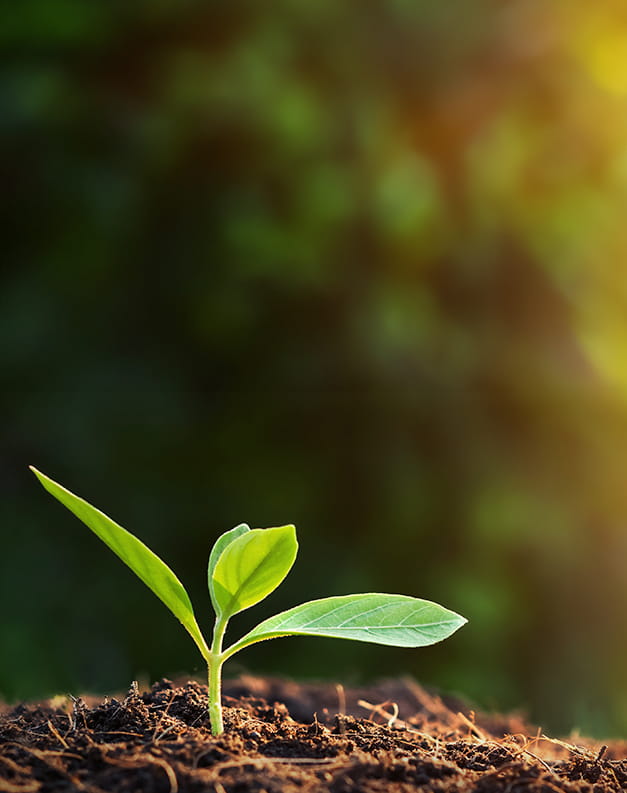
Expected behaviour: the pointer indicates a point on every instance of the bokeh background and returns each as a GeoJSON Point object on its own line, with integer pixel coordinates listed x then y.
{"type": "Point", "coordinates": [354, 265]}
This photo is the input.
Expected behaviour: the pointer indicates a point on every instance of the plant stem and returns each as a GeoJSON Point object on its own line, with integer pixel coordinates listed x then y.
{"type": "Point", "coordinates": [214, 662]}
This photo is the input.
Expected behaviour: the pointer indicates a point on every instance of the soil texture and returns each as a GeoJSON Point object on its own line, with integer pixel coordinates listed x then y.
{"type": "Point", "coordinates": [282, 737]}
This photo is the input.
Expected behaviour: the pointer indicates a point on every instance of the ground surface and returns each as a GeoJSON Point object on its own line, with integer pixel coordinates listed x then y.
{"type": "Point", "coordinates": [284, 737]}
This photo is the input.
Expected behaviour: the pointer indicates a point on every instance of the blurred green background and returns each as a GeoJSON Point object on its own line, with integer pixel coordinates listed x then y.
{"type": "Point", "coordinates": [354, 265]}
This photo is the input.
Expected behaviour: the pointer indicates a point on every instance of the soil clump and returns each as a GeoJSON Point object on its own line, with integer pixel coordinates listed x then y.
{"type": "Point", "coordinates": [393, 737]}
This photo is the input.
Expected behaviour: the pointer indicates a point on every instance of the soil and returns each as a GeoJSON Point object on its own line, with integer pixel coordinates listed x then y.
{"type": "Point", "coordinates": [282, 736]}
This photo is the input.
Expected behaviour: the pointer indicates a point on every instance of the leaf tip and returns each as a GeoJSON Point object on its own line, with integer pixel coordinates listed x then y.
{"type": "Point", "coordinates": [461, 621]}
{"type": "Point", "coordinates": [290, 531]}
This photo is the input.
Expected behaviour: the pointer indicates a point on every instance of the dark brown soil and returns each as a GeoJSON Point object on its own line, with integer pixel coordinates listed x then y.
{"type": "Point", "coordinates": [281, 736]}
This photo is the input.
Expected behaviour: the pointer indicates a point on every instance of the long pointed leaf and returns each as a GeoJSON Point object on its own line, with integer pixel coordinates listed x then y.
{"type": "Point", "coordinates": [219, 546]}
{"type": "Point", "coordinates": [142, 561]}
{"type": "Point", "coordinates": [396, 620]}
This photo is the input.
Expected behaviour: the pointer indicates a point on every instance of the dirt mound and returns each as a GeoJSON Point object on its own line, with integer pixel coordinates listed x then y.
{"type": "Point", "coordinates": [281, 736]}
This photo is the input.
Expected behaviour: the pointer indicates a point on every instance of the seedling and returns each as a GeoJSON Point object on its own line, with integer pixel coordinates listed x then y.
{"type": "Point", "coordinates": [244, 567]}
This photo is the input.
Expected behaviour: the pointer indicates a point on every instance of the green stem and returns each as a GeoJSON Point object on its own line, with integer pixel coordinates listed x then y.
{"type": "Point", "coordinates": [215, 661]}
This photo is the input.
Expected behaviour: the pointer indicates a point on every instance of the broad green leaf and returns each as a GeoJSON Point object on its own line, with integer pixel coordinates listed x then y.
{"type": "Point", "coordinates": [396, 620]}
{"type": "Point", "coordinates": [219, 545]}
{"type": "Point", "coordinates": [252, 566]}
{"type": "Point", "coordinates": [142, 561]}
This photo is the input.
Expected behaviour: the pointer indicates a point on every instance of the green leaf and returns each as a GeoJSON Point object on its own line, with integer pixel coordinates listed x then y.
{"type": "Point", "coordinates": [252, 566]}
{"type": "Point", "coordinates": [396, 620]}
{"type": "Point", "coordinates": [142, 561]}
{"type": "Point", "coordinates": [219, 546]}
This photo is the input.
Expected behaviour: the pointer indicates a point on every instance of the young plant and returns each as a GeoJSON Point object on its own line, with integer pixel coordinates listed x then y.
{"type": "Point", "coordinates": [244, 567]}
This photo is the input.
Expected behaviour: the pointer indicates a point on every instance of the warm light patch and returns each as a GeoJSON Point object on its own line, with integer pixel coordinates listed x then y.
{"type": "Point", "coordinates": [601, 45]}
